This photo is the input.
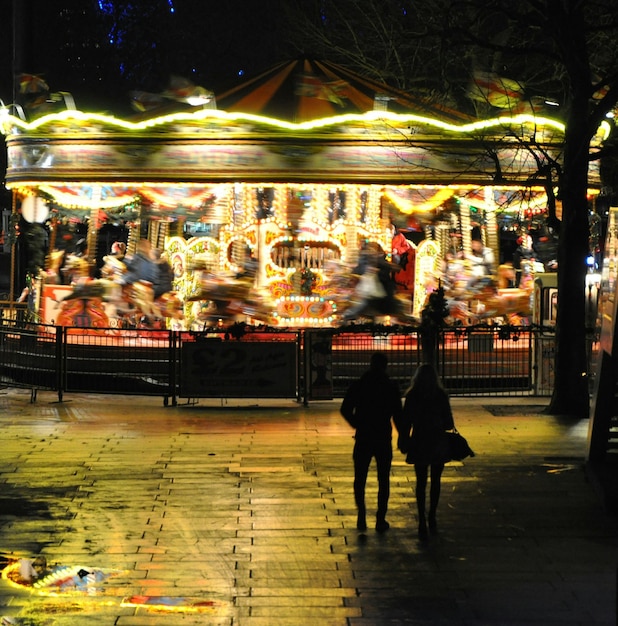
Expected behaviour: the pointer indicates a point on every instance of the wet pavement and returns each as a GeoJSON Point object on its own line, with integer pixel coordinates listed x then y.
{"type": "Point", "coordinates": [242, 513]}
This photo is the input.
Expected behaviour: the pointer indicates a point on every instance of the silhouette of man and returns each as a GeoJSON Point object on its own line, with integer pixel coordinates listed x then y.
{"type": "Point", "coordinates": [368, 406]}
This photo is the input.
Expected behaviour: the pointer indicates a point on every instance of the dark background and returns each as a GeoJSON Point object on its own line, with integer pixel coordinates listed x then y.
{"type": "Point", "coordinates": [101, 50]}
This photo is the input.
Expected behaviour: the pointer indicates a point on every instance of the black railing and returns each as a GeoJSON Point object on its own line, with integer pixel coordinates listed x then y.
{"type": "Point", "coordinates": [245, 361]}
{"type": "Point", "coordinates": [472, 360]}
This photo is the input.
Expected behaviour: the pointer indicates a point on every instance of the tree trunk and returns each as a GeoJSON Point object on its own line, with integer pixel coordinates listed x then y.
{"type": "Point", "coordinates": [571, 390]}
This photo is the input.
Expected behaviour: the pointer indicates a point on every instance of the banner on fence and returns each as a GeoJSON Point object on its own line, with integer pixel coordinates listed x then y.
{"type": "Point", "coordinates": [238, 369]}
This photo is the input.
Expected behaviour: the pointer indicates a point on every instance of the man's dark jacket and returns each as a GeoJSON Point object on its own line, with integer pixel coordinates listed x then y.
{"type": "Point", "coordinates": [370, 403]}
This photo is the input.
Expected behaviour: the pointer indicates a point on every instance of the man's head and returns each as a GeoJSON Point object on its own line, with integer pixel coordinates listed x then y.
{"type": "Point", "coordinates": [378, 361]}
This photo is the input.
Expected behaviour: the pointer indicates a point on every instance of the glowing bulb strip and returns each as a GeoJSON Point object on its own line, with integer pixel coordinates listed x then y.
{"type": "Point", "coordinates": [81, 202]}
{"type": "Point", "coordinates": [305, 321]}
{"type": "Point", "coordinates": [169, 202]}
{"type": "Point", "coordinates": [407, 207]}
{"type": "Point", "coordinates": [9, 122]}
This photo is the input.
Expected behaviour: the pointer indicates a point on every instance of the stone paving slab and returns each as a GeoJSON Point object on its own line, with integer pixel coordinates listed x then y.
{"type": "Point", "coordinates": [248, 507]}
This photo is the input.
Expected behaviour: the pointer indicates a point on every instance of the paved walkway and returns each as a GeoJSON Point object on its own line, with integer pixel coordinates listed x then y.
{"type": "Point", "coordinates": [242, 514]}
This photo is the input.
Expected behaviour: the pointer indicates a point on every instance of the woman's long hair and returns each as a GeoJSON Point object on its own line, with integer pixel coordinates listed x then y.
{"type": "Point", "coordinates": [425, 382]}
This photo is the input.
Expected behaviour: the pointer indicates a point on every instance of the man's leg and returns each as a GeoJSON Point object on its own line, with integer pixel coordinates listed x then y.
{"type": "Point", "coordinates": [362, 459]}
{"type": "Point", "coordinates": [384, 458]}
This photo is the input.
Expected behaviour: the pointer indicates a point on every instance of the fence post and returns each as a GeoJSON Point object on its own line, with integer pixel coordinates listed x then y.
{"type": "Point", "coordinates": [172, 354]}
{"type": "Point", "coordinates": [306, 362]}
{"type": "Point", "coordinates": [61, 354]}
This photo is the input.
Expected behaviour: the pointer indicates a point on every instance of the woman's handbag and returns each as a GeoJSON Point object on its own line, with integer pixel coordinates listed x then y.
{"type": "Point", "coordinates": [457, 447]}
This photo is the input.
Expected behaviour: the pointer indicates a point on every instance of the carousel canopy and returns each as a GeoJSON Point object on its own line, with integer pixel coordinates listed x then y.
{"type": "Point", "coordinates": [298, 122]}
{"type": "Point", "coordinates": [303, 90]}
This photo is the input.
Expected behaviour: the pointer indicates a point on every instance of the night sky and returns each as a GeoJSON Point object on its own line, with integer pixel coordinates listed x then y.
{"type": "Point", "coordinates": [100, 50]}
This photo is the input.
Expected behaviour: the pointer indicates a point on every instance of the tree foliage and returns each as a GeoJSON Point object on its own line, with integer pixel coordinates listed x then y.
{"type": "Point", "coordinates": [381, 39]}
{"type": "Point", "coordinates": [558, 56]}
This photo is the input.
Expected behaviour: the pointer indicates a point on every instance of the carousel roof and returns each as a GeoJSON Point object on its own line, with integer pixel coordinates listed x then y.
{"type": "Point", "coordinates": [304, 90]}
{"type": "Point", "coordinates": [300, 121]}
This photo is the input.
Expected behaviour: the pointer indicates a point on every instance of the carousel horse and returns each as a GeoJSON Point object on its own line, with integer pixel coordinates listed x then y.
{"type": "Point", "coordinates": [471, 300]}
{"type": "Point", "coordinates": [221, 296]}
{"type": "Point", "coordinates": [85, 288]}
{"type": "Point", "coordinates": [52, 274]}
{"type": "Point", "coordinates": [128, 300]}
{"type": "Point", "coordinates": [341, 282]}
{"type": "Point", "coordinates": [113, 267]}
{"type": "Point", "coordinates": [506, 275]}
{"type": "Point", "coordinates": [170, 305]}
{"type": "Point", "coordinates": [75, 267]}
{"type": "Point", "coordinates": [83, 312]}
{"type": "Point", "coordinates": [459, 312]}
{"type": "Point", "coordinates": [140, 295]}
{"type": "Point", "coordinates": [489, 302]}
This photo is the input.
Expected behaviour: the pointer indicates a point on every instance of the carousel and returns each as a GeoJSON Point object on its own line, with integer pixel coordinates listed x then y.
{"type": "Point", "coordinates": [307, 196]}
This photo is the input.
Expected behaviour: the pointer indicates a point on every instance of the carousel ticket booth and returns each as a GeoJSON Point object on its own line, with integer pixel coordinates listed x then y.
{"type": "Point", "coordinates": [268, 200]}
{"type": "Point", "coordinates": [544, 316]}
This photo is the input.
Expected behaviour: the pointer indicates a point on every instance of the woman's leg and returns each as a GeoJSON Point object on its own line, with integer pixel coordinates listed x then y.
{"type": "Point", "coordinates": [421, 486]}
{"type": "Point", "coordinates": [434, 493]}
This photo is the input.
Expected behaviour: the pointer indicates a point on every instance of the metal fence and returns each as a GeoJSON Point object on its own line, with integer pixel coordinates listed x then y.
{"type": "Point", "coordinates": [14, 311]}
{"type": "Point", "coordinates": [307, 365]}
{"type": "Point", "coordinates": [474, 360]}
{"type": "Point", "coordinates": [138, 362]}
{"type": "Point", "coordinates": [28, 358]}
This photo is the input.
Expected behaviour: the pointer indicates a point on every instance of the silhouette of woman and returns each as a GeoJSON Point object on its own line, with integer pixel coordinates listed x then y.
{"type": "Point", "coordinates": [426, 416]}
